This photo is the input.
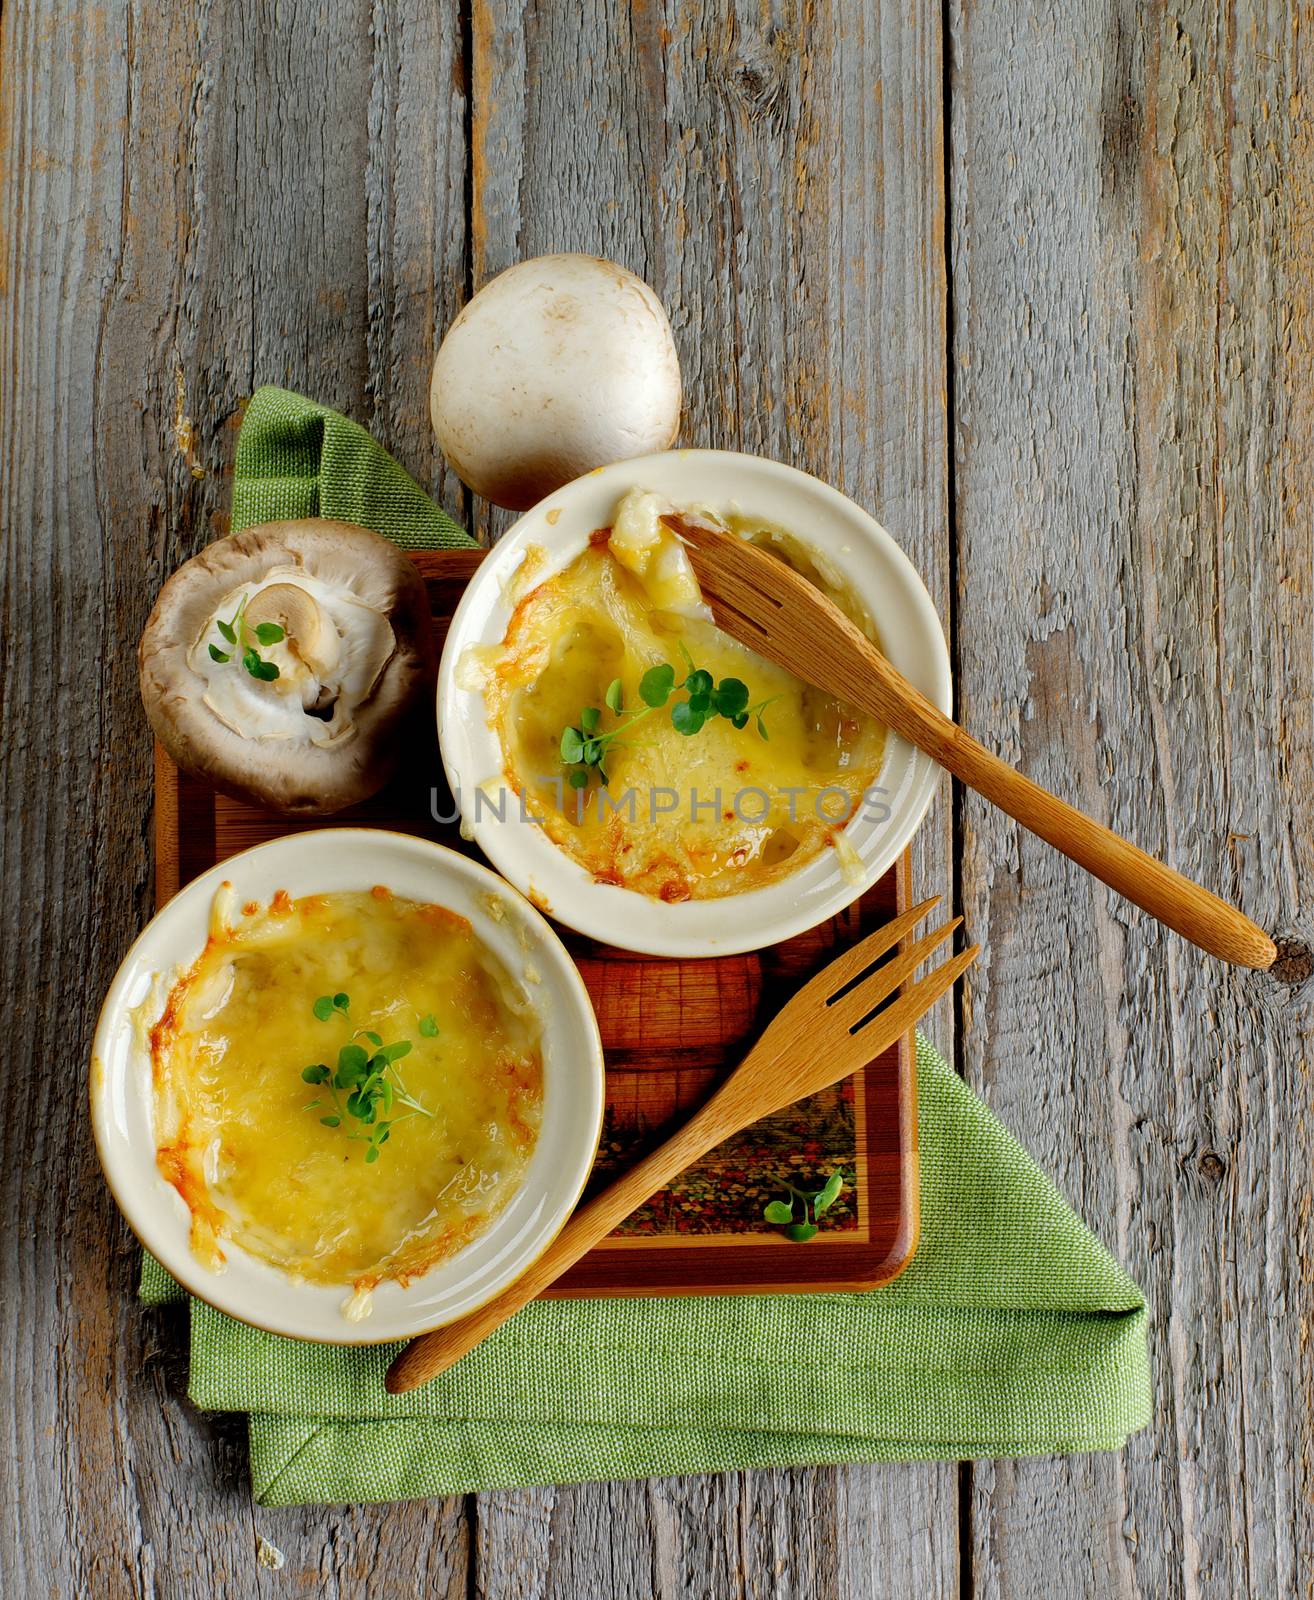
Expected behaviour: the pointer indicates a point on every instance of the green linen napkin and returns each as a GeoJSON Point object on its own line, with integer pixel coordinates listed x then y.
{"type": "Point", "coordinates": [299, 459]}
{"type": "Point", "coordinates": [1012, 1332]}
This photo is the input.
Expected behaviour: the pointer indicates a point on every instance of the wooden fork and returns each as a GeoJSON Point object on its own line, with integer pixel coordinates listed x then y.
{"type": "Point", "coordinates": [824, 1033]}
{"type": "Point", "coordinates": [760, 601]}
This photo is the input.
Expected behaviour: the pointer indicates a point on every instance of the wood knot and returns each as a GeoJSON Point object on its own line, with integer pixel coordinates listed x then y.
{"type": "Point", "coordinates": [1295, 962]}
{"type": "Point", "coordinates": [1212, 1167]}
{"type": "Point", "coordinates": [756, 81]}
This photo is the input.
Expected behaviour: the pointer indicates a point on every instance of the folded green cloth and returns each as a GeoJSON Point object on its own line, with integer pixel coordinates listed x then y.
{"type": "Point", "coordinates": [299, 459]}
{"type": "Point", "coordinates": [1012, 1332]}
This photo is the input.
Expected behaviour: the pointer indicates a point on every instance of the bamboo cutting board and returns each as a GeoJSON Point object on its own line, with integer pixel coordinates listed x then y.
{"type": "Point", "coordinates": [670, 1030]}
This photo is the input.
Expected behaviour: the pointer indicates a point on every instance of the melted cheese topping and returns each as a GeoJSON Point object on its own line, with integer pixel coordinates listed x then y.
{"type": "Point", "coordinates": [235, 1131]}
{"type": "Point", "coordinates": [645, 546]}
{"type": "Point", "coordinates": [716, 813]}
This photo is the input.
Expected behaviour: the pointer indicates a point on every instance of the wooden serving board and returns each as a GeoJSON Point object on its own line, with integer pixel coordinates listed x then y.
{"type": "Point", "coordinates": [671, 1029]}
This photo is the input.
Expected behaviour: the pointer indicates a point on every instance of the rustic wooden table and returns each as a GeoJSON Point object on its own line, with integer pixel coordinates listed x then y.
{"type": "Point", "coordinates": [1033, 284]}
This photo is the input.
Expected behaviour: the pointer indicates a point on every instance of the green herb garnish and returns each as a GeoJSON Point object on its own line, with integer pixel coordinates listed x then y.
{"type": "Point", "coordinates": [236, 633]}
{"type": "Point", "coordinates": [813, 1203]}
{"type": "Point", "coordinates": [369, 1078]}
{"type": "Point", "coordinates": [585, 747]}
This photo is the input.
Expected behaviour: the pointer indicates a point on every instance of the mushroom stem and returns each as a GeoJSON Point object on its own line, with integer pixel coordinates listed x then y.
{"type": "Point", "coordinates": [309, 632]}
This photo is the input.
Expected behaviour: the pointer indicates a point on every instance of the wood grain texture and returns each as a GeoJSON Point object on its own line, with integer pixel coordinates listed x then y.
{"type": "Point", "coordinates": [798, 1535]}
{"type": "Point", "coordinates": [776, 172]}
{"type": "Point", "coordinates": [190, 206]}
{"type": "Point", "coordinates": [200, 197]}
{"type": "Point", "coordinates": [1132, 264]}
{"type": "Point", "coordinates": [211, 196]}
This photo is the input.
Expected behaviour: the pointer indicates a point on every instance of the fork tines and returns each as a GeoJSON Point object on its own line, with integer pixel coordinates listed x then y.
{"type": "Point", "coordinates": [854, 987]}
{"type": "Point", "coordinates": [859, 998]}
{"type": "Point", "coordinates": [913, 1005]}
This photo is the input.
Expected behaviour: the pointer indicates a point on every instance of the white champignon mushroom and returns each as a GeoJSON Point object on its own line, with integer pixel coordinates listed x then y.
{"type": "Point", "coordinates": [283, 664]}
{"type": "Point", "coordinates": [557, 366]}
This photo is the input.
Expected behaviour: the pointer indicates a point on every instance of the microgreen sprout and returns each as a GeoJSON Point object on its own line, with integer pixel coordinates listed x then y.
{"type": "Point", "coordinates": [368, 1077]}
{"type": "Point", "coordinates": [800, 1214]}
{"type": "Point", "coordinates": [585, 746]}
{"type": "Point", "coordinates": [236, 633]}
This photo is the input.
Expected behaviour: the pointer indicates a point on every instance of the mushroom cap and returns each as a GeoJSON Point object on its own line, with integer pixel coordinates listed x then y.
{"type": "Point", "coordinates": [558, 365]}
{"type": "Point", "coordinates": [293, 777]}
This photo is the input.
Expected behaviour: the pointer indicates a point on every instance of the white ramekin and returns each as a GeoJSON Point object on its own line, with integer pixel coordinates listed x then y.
{"type": "Point", "coordinates": [851, 542]}
{"type": "Point", "coordinates": [324, 860]}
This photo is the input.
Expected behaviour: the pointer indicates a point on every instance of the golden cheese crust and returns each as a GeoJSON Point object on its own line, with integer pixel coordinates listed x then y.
{"type": "Point", "coordinates": [699, 817]}
{"type": "Point", "coordinates": [240, 1140]}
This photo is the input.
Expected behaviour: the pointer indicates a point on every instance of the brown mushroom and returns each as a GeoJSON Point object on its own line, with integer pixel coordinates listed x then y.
{"type": "Point", "coordinates": [281, 664]}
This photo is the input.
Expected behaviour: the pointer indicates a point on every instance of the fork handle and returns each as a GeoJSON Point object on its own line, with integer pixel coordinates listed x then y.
{"type": "Point", "coordinates": [425, 1357]}
{"type": "Point", "coordinates": [1186, 907]}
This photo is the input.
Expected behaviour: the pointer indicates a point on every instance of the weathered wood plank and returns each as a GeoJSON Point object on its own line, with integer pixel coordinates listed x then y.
{"type": "Point", "coordinates": [70, 1509]}
{"type": "Point", "coordinates": [184, 194]}
{"type": "Point", "coordinates": [802, 1535]}
{"type": "Point", "coordinates": [197, 199]}
{"type": "Point", "coordinates": [776, 174]}
{"type": "Point", "coordinates": [1132, 259]}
